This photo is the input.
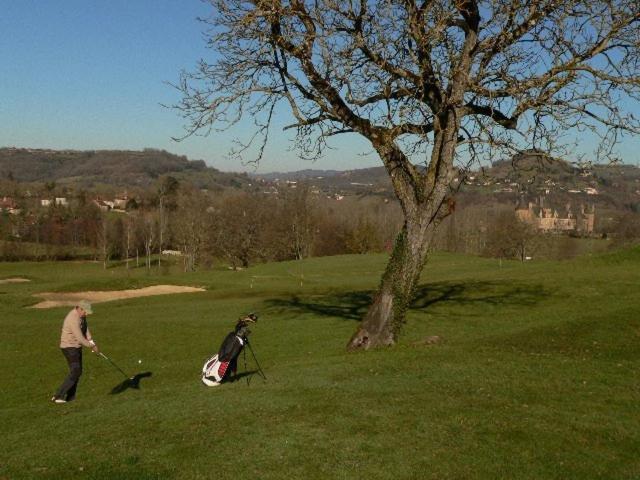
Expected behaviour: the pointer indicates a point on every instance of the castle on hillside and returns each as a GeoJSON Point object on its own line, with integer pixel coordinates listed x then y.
{"type": "Point", "coordinates": [549, 220]}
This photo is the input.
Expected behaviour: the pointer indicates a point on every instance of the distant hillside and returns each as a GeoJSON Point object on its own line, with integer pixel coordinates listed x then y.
{"type": "Point", "coordinates": [111, 167]}
{"type": "Point", "coordinates": [360, 181]}
{"type": "Point", "coordinates": [532, 175]}
{"type": "Point", "coordinates": [307, 174]}
{"type": "Point", "coordinates": [611, 188]}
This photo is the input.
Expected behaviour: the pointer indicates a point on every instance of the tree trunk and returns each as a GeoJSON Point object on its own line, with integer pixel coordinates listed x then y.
{"type": "Point", "coordinates": [422, 198]}
{"type": "Point", "coordinates": [161, 233]}
{"type": "Point", "coordinates": [104, 243]}
{"type": "Point", "coordinates": [128, 242]}
{"type": "Point", "coordinates": [386, 315]}
{"type": "Point", "coordinates": [148, 251]}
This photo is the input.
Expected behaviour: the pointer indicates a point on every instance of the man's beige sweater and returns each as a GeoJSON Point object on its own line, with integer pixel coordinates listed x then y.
{"type": "Point", "coordinates": [72, 332]}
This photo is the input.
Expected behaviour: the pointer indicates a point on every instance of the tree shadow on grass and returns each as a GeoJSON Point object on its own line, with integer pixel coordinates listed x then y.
{"type": "Point", "coordinates": [479, 293]}
{"type": "Point", "coordinates": [133, 382]}
{"type": "Point", "coordinates": [354, 305]}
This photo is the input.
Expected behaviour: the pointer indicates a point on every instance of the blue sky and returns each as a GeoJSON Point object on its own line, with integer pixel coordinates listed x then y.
{"type": "Point", "coordinates": [89, 74]}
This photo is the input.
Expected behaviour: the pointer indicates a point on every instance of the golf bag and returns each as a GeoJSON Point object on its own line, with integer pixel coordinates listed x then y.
{"type": "Point", "coordinates": [216, 368]}
{"type": "Point", "coordinates": [214, 371]}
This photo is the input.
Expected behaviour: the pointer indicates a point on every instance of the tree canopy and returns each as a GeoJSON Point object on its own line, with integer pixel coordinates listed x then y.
{"type": "Point", "coordinates": [519, 73]}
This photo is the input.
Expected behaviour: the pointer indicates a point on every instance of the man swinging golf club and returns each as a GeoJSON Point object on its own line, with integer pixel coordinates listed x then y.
{"type": "Point", "coordinates": [75, 335]}
{"type": "Point", "coordinates": [217, 368]}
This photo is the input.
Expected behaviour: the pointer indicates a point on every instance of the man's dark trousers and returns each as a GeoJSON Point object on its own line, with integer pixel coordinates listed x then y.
{"type": "Point", "coordinates": [67, 390]}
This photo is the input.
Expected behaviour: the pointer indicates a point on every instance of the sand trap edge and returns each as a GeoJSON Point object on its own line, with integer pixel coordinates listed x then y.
{"type": "Point", "coordinates": [61, 299]}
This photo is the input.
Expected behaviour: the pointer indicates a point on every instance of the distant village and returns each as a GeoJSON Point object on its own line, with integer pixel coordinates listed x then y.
{"type": "Point", "coordinates": [545, 218]}
{"type": "Point", "coordinates": [118, 204]}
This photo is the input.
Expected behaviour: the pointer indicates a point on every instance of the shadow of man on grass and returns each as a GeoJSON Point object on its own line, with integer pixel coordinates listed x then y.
{"type": "Point", "coordinates": [133, 382]}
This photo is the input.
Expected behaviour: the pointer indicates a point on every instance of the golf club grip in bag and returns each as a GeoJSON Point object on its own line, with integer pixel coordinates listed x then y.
{"type": "Point", "coordinates": [214, 368]}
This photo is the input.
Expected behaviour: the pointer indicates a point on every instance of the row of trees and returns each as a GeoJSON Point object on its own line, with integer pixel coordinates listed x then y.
{"type": "Point", "coordinates": [239, 228]}
{"type": "Point", "coordinates": [235, 227]}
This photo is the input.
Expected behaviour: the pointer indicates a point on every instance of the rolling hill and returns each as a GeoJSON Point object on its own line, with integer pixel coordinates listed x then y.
{"type": "Point", "coordinates": [121, 168]}
{"type": "Point", "coordinates": [611, 188]}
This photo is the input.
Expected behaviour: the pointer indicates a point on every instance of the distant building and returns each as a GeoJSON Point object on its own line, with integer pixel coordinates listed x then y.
{"type": "Point", "coordinates": [102, 205]}
{"type": "Point", "coordinates": [550, 220]}
{"type": "Point", "coordinates": [121, 202]}
{"type": "Point", "coordinates": [47, 202]}
{"type": "Point", "coordinates": [7, 203]}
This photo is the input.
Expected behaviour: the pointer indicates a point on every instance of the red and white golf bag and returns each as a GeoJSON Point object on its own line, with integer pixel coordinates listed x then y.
{"type": "Point", "coordinates": [213, 371]}
{"type": "Point", "coordinates": [226, 360]}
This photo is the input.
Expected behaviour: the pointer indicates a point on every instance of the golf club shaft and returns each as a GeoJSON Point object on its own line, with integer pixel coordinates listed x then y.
{"type": "Point", "coordinates": [112, 363]}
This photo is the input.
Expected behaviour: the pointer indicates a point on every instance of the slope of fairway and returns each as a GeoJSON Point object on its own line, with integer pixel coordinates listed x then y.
{"type": "Point", "coordinates": [536, 375]}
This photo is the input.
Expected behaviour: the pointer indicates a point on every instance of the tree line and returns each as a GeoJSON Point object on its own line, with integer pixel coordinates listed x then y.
{"type": "Point", "coordinates": [233, 227]}
{"type": "Point", "coordinates": [237, 228]}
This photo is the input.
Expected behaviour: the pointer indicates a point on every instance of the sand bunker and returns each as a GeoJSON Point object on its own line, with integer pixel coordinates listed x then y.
{"type": "Point", "coordinates": [14, 280]}
{"type": "Point", "coordinates": [61, 299]}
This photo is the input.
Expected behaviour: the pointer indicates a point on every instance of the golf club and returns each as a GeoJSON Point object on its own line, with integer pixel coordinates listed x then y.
{"type": "Point", "coordinates": [114, 365]}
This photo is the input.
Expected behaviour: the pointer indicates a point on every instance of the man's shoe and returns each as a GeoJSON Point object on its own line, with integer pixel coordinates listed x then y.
{"type": "Point", "coordinates": [58, 400]}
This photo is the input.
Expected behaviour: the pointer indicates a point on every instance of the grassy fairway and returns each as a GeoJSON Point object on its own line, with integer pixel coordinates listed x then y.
{"type": "Point", "coordinates": [537, 376]}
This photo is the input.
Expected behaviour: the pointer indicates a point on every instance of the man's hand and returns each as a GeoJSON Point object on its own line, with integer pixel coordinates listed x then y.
{"type": "Point", "coordinates": [94, 347]}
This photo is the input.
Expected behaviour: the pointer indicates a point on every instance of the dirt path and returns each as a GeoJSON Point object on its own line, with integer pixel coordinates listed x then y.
{"type": "Point", "coordinates": [14, 280]}
{"type": "Point", "coordinates": [59, 299]}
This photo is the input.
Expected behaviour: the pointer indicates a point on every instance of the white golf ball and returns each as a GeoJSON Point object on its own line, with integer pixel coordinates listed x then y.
{"type": "Point", "coordinates": [139, 361]}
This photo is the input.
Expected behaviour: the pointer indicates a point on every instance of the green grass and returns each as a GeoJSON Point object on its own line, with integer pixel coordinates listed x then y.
{"type": "Point", "coordinates": [537, 376]}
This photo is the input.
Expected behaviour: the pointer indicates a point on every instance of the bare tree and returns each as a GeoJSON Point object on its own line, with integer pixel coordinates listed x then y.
{"type": "Point", "coordinates": [148, 225]}
{"type": "Point", "coordinates": [509, 237]}
{"type": "Point", "coordinates": [129, 224]}
{"type": "Point", "coordinates": [299, 217]}
{"type": "Point", "coordinates": [191, 224]}
{"type": "Point", "coordinates": [238, 229]}
{"type": "Point", "coordinates": [166, 189]}
{"type": "Point", "coordinates": [427, 84]}
{"type": "Point", "coordinates": [104, 240]}
{"type": "Point", "coordinates": [626, 230]}
{"type": "Point", "coordinates": [363, 237]}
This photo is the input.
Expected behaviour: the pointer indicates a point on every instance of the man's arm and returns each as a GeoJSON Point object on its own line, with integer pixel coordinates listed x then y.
{"type": "Point", "coordinates": [77, 332]}
{"type": "Point", "coordinates": [91, 341]}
